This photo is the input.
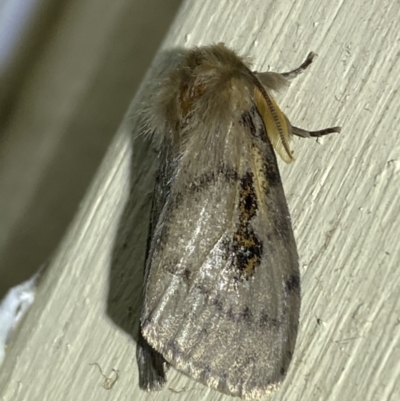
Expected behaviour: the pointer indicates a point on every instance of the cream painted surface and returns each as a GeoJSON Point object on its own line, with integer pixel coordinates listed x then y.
{"type": "Point", "coordinates": [343, 197]}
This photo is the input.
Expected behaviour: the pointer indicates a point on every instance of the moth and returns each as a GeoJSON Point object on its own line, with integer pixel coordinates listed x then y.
{"type": "Point", "coordinates": [221, 283]}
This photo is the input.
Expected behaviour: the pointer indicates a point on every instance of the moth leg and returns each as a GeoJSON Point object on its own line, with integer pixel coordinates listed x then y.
{"type": "Point", "coordinates": [314, 134]}
{"type": "Point", "coordinates": [152, 366]}
{"type": "Point", "coordinates": [297, 71]}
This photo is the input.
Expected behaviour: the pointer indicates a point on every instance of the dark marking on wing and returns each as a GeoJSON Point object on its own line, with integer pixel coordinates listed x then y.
{"type": "Point", "coordinates": [247, 120]}
{"type": "Point", "coordinates": [267, 321]}
{"type": "Point", "coordinates": [246, 246]}
{"type": "Point", "coordinates": [218, 304]}
{"type": "Point", "coordinates": [247, 314]}
{"type": "Point", "coordinates": [271, 170]}
{"type": "Point", "coordinates": [252, 120]}
{"type": "Point", "coordinates": [186, 275]}
{"type": "Point", "coordinates": [201, 182]}
{"type": "Point", "coordinates": [293, 283]}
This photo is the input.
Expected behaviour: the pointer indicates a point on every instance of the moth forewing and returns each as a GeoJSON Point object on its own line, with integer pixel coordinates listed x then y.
{"type": "Point", "coordinates": [222, 283]}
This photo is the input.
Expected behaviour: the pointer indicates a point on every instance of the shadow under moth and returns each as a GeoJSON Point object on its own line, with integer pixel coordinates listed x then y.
{"type": "Point", "coordinates": [222, 282]}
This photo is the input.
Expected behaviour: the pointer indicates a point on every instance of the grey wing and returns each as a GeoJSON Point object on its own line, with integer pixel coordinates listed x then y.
{"type": "Point", "coordinates": [222, 295]}
{"type": "Point", "coordinates": [152, 365]}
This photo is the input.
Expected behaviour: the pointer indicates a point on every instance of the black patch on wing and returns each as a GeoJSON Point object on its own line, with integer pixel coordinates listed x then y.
{"type": "Point", "coordinates": [246, 246]}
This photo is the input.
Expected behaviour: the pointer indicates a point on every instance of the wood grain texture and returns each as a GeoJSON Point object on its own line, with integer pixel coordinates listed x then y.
{"type": "Point", "coordinates": [343, 197]}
